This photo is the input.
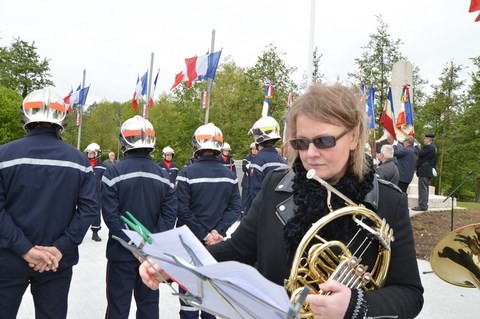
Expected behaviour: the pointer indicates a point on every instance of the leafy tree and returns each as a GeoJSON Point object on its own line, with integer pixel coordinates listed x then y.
{"type": "Point", "coordinates": [10, 103]}
{"type": "Point", "coordinates": [22, 69]}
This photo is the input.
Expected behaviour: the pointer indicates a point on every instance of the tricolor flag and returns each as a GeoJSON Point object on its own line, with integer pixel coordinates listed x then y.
{"type": "Point", "coordinates": [150, 103]}
{"type": "Point", "coordinates": [370, 106]}
{"type": "Point", "coordinates": [198, 68]}
{"type": "Point", "coordinates": [140, 90]}
{"type": "Point", "coordinates": [66, 100]}
{"type": "Point", "coordinates": [388, 114]}
{"type": "Point", "coordinates": [475, 6]}
{"type": "Point", "coordinates": [269, 86]}
{"type": "Point", "coordinates": [405, 117]}
{"type": "Point", "coordinates": [79, 97]}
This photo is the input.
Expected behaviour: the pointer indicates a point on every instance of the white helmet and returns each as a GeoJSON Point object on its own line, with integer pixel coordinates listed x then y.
{"type": "Point", "coordinates": [167, 150]}
{"type": "Point", "coordinates": [226, 147]}
{"type": "Point", "coordinates": [265, 129]}
{"type": "Point", "coordinates": [93, 148]}
{"type": "Point", "coordinates": [253, 145]}
{"type": "Point", "coordinates": [43, 106]}
{"type": "Point", "coordinates": [137, 133]}
{"type": "Point", "coordinates": [207, 137]}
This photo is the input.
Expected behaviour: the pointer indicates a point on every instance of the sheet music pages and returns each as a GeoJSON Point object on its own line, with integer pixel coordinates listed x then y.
{"type": "Point", "coordinates": [232, 289]}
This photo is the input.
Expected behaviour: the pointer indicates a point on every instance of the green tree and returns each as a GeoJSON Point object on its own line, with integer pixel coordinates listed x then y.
{"type": "Point", "coordinates": [10, 104]}
{"type": "Point", "coordinates": [22, 69]}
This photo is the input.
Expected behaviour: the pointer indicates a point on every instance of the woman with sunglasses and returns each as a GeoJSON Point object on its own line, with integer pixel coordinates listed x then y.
{"type": "Point", "coordinates": [327, 133]}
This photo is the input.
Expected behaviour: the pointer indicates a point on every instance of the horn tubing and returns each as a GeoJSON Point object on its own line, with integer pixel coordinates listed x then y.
{"type": "Point", "coordinates": [311, 174]}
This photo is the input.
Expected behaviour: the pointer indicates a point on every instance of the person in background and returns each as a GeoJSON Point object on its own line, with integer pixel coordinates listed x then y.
{"type": "Point", "coordinates": [111, 159]}
{"type": "Point", "coordinates": [226, 158]}
{"type": "Point", "coordinates": [327, 134]}
{"type": "Point", "coordinates": [266, 132]}
{"type": "Point", "coordinates": [48, 201]}
{"type": "Point", "coordinates": [406, 162]}
{"type": "Point", "coordinates": [93, 154]}
{"type": "Point", "coordinates": [427, 160]}
{"type": "Point", "coordinates": [387, 170]}
{"type": "Point", "coordinates": [208, 196]}
{"type": "Point", "coordinates": [168, 164]}
{"type": "Point", "coordinates": [139, 186]}
{"type": "Point", "coordinates": [247, 160]}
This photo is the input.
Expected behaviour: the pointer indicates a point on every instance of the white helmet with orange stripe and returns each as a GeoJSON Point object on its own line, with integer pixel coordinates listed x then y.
{"type": "Point", "coordinates": [43, 105]}
{"type": "Point", "coordinates": [137, 133]}
{"type": "Point", "coordinates": [207, 137]}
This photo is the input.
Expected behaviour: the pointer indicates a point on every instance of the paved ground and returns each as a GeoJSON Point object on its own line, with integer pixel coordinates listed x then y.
{"type": "Point", "coordinates": [87, 294]}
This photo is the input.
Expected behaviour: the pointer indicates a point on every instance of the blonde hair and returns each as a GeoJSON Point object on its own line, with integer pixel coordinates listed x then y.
{"type": "Point", "coordinates": [335, 104]}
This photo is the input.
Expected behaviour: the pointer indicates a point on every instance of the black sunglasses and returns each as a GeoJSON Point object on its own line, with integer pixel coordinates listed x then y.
{"type": "Point", "coordinates": [320, 142]}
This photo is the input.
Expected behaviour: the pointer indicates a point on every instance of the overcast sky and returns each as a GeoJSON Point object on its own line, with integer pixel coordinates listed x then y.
{"type": "Point", "coordinates": [114, 40]}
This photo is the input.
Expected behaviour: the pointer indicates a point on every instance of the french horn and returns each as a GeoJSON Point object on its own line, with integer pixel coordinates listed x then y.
{"type": "Point", "coordinates": [317, 260]}
{"type": "Point", "coordinates": [456, 257]}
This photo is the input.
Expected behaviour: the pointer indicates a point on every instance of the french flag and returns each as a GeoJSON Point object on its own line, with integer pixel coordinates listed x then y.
{"type": "Point", "coordinates": [388, 114]}
{"type": "Point", "coordinates": [140, 90]}
{"type": "Point", "coordinates": [198, 68]}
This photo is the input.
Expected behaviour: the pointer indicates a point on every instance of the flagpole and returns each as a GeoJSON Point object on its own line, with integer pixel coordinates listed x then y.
{"type": "Point", "coordinates": [146, 106]}
{"type": "Point", "coordinates": [310, 44]}
{"type": "Point", "coordinates": [80, 106]}
{"type": "Point", "coordinates": [209, 81]}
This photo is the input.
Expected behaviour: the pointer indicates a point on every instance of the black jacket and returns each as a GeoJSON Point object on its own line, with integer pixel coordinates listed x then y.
{"type": "Point", "coordinates": [259, 240]}
{"type": "Point", "coordinates": [427, 160]}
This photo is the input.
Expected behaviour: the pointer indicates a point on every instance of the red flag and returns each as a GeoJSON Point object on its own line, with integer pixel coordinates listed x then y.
{"type": "Point", "coordinates": [474, 5]}
{"type": "Point", "coordinates": [179, 77]}
{"type": "Point", "coordinates": [387, 116]}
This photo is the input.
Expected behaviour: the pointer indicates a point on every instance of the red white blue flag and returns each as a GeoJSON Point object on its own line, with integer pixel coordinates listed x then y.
{"type": "Point", "coordinates": [388, 114]}
{"type": "Point", "coordinates": [198, 68]}
{"type": "Point", "coordinates": [405, 117]}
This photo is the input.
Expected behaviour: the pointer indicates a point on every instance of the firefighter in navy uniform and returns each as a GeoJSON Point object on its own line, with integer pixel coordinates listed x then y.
{"type": "Point", "coordinates": [168, 164]}
{"type": "Point", "coordinates": [137, 185]}
{"type": "Point", "coordinates": [226, 158]}
{"type": "Point", "coordinates": [266, 132]}
{"type": "Point", "coordinates": [247, 160]}
{"type": "Point", "coordinates": [47, 204]}
{"type": "Point", "coordinates": [93, 153]}
{"type": "Point", "coordinates": [208, 196]}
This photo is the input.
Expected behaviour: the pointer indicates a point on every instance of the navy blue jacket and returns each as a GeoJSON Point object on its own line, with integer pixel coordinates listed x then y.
{"type": "Point", "coordinates": [266, 160]}
{"type": "Point", "coordinates": [208, 197]}
{"type": "Point", "coordinates": [47, 197]}
{"type": "Point", "coordinates": [406, 162]}
{"type": "Point", "coordinates": [245, 168]}
{"type": "Point", "coordinates": [138, 185]}
{"type": "Point", "coordinates": [172, 172]}
{"type": "Point", "coordinates": [98, 170]}
{"type": "Point", "coordinates": [229, 163]}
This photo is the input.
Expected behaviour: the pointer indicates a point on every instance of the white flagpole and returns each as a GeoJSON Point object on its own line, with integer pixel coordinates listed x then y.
{"type": "Point", "coordinates": [310, 44]}
{"type": "Point", "coordinates": [209, 81]}
{"type": "Point", "coordinates": [80, 110]}
{"type": "Point", "coordinates": [146, 107]}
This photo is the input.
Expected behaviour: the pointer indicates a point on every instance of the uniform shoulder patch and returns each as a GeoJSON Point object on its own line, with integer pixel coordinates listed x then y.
{"type": "Point", "coordinates": [390, 184]}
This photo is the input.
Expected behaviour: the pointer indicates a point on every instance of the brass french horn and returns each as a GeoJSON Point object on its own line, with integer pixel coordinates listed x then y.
{"type": "Point", "coordinates": [456, 257]}
{"type": "Point", "coordinates": [317, 260]}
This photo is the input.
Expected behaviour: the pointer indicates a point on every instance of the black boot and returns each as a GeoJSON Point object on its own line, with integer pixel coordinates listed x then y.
{"type": "Point", "coordinates": [95, 236]}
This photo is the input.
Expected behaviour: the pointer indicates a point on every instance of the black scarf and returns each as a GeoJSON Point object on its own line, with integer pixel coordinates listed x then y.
{"type": "Point", "coordinates": [311, 201]}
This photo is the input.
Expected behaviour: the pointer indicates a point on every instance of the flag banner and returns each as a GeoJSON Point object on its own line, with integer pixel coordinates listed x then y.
{"type": "Point", "coordinates": [204, 100]}
{"type": "Point", "coordinates": [290, 100]}
{"type": "Point", "coordinates": [198, 68]}
{"type": "Point", "coordinates": [388, 114]}
{"type": "Point", "coordinates": [269, 86]}
{"type": "Point", "coordinates": [140, 90]}
{"type": "Point", "coordinates": [83, 95]}
{"type": "Point", "coordinates": [370, 103]}
{"type": "Point", "coordinates": [150, 103]}
{"type": "Point", "coordinates": [78, 117]}
{"type": "Point", "coordinates": [475, 6]}
{"type": "Point", "coordinates": [66, 100]}
{"type": "Point", "coordinates": [362, 94]}
{"type": "Point", "coordinates": [405, 118]}
{"type": "Point", "coordinates": [75, 97]}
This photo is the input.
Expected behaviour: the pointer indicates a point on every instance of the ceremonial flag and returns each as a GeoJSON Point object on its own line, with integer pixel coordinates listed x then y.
{"type": "Point", "coordinates": [140, 90]}
{"type": "Point", "coordinates": [198, 68]}
{"type": "Point", "coordinates": [268, 95]}
{"type": "Point", "coordinates": [290, 100]}
{"type": "Point", "coordinates": [150, 103]}
{"type": "Point", "coordinates": [388, 114]}
{"type": "Point", "coordinates": [79, 97]}
{"type": "Point", "coordinates": [475, 6]}
{"type": "Point", "coordinates": [371, 107]}
{"type": "Point", "coordinates": [67, 99]}
{"type": "Point", "coordinates": [405, 118]}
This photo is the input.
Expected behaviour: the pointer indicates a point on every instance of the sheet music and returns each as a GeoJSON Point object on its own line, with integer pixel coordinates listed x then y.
{"type": "Point", "coordinates": [231, 289]}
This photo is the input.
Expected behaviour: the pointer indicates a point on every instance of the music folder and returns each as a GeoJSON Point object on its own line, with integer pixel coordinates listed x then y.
{"type": "Point", "coordinates": [225, 289]}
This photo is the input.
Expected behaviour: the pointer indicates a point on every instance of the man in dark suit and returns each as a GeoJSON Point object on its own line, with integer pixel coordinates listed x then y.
{"type": "Point", "coordinates": [427, 160]}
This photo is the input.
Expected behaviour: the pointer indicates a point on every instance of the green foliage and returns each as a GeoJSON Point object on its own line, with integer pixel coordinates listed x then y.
{"type": "Point", "coordinates": [21, 68]}
{"type": "Point", "coordinates": [10, 103]}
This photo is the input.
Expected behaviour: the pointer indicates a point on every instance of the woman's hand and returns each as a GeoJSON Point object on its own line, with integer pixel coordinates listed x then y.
{"type": "Point", "coordinates": [331, 306]}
